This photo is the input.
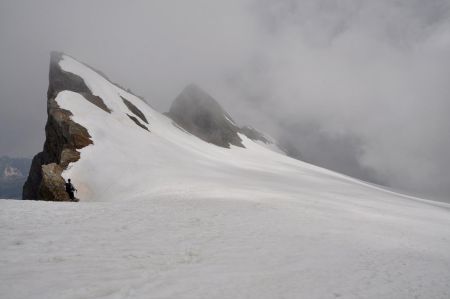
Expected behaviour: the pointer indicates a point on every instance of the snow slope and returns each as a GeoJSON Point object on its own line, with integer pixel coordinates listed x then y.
{"type": "Point", "coordinates": [164, 214]}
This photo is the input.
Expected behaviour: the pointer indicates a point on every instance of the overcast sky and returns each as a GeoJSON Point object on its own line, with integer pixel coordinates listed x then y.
{"type": "Point", "coordinates": [360, 86]}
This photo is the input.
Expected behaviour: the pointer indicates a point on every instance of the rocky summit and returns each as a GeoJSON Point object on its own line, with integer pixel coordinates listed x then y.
{"type": "Point", "coordinates": [199, 113]}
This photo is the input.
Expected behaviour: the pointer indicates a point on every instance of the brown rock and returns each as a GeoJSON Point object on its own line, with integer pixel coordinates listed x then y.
{"type": "Point", "coordinates": [63, 138]}
{"type": "Point", "coordinates": [52, 186]}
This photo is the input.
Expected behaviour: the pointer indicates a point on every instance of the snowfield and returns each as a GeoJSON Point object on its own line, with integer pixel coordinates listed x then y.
{"type": "Point", "coordinates": [164, 214]}
{"type": "Point", "coordinates": [184, 247]}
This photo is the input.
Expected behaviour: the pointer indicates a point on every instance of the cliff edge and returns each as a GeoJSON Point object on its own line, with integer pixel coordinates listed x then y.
{"type": "Point", "coordinates": [63, 139]}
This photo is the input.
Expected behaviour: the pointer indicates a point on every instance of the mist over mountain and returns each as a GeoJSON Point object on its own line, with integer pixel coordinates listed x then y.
{"type": "Point", "coordinates": [201, 115]}
{"type": "Point", "coordinates": [339, 151]}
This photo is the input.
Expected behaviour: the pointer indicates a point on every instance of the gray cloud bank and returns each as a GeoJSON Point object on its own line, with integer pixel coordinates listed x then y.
{"type": "Point", "coordinates": [358, 86]}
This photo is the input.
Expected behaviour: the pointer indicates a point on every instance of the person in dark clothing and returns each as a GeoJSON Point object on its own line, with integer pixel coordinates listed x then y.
{"type": "Point", "coordinates": [70, 189]}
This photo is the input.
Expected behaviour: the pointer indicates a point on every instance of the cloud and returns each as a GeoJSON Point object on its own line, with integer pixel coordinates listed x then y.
{"type": "Point", "coordinates": [374, 70]}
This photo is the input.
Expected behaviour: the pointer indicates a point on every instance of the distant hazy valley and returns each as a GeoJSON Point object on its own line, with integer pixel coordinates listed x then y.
{"type": "Point", "coordinates": [13, 173]}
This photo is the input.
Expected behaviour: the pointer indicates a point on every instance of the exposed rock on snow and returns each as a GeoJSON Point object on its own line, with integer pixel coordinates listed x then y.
{"type": "Point", "coordinates": [135, 110]}
{"type": "Point", "coordinates": [137, 122]}
{"type": "Point", "coordinates": [200, 114]}
{"type": "Point", "coordinates": [63, 137]}
{"type": "Point", "coordinates": [60, 80]}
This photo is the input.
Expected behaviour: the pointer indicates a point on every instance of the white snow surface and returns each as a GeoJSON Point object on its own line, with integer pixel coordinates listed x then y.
{"type": "Point", "coordinates": [164, 214]}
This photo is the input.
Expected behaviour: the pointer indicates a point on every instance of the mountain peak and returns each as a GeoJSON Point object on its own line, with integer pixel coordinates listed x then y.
{"type": "Point", "coordinates": [201, 115]}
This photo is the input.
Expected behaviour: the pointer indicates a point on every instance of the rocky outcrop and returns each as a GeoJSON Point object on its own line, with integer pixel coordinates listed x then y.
{"type": "Point", "coordinates": [196, 112]}
{"type": "Point", "coordinates": [52, 184]}
{"type": "Point", "coordinates": [199, 114]}
{"type": "Point", "coordinates": [60, 80]}
{"type": "Point", "coordinates": [135, 110]}
{"type": "Point", "coordinates": [64, 137]}
{"type": "Point", "coordinates": [137, 122]}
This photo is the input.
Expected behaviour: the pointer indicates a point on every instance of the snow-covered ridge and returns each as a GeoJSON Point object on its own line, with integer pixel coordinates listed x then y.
{"type": "Point", "coordinates": [128, 161]}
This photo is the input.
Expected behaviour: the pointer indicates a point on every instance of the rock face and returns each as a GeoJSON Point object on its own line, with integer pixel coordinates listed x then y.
{"type": "Point", "coordinates": [198, 113]}
{"type": "Point", "coordinates": [63, 138]}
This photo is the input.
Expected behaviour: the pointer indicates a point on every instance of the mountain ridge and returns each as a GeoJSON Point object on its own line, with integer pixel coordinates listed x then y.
{"type": "Point", "coordinates": [201, 115]}
{"type": "Point", "coordinates": [193, 111]}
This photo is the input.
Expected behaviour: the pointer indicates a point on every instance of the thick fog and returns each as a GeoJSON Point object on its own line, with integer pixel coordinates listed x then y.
{"type": "Point", "coordinates": [359, 86]}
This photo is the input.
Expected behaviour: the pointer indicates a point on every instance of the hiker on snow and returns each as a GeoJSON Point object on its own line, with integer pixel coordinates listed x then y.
{"type": "Point", "coordinates": [70, 189]}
